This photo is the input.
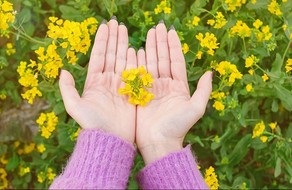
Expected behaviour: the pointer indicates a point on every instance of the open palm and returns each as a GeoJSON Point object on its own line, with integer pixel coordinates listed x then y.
{"type": "Point", "coordinates": [100, 106]}
{"type": "Point", "coordinates": [164, 122]}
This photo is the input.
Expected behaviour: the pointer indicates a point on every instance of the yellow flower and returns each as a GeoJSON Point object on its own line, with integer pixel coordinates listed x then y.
{"type": "Point", "coordinates": [41, 177]}
{"type": "Point", "coordinates": [218, 105]}
{"type": "Point", "coordinates": [265, 77]}
{"type": "Point", "coordinates": [258, 23]}
{"type": "Point", "coordinates": [3, 160]}
{"type": "Point", "coordinates": [241, 29]}
{"type": "Point", "coordinates": [226, 68]}
{"type": "Point", "coordinates": [136, 82]}
{"type": "Point", "coordinates": [253, 1]}
{"type": "Point", "coordinates": [288, 65]}
{"type": "Point", "coordinates": [199, 55]}
{"type": "Point", "coordinates": [209, 42]}
{"type": "Point", "coordinates": [23, 171]}
{"type": "Point", "coordinates": [258, 129]}
{"type": "Point", "coordinates": [3, 95]}
{"type": "Point", "coordinates": [4, 181]}
{"type": "Point", "coordinates": [28, 148]}
{"type": "Point", "coordinates": [41, 148]}
{"type": "Point", "coordinates": [148, 18]}
{"type": "Point", "coordinates": [217, 95]}
{"type": "Point", "coordinates": [47, 123]}
{"type": "Point", "coordinates": [51, 174]}
{"type": "Point", "coordinates": [7, 16]}
{"type": "Point", "coordinates": [284, 27]}
{"type": "Point", "coordinates": [274, 8]}
{"type": "Point", "coordinates": [233, 4]}
{"type": "Point", "coordinates": [196, 21]}
{"type": "Point", "coordinates": [219, 21]}
{"type": "Point", "coordinates": [211, 178]}
{"type": "Point", "coordinates": [249, 87]}
{"type": "Point", "coordinates": [251, 71]}
{"type": "Point", "coordinates": [163, 6]}
{"type": "Point", "coordinates": [185, 48]}
{"type": "Point", "coordinates": [250, 60]}
{"type": "Point", "coordinates": [9, 49]}
{"type": "Point", "coordinates": [273, 125]}
{"type": "Point", "coordinates": [264, 139]}
{"type": "Point", "coordinates": [31, 94]}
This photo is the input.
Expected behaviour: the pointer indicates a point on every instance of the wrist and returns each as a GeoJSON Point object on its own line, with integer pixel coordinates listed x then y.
{"type": "Point", "coordinates": [155, 151]}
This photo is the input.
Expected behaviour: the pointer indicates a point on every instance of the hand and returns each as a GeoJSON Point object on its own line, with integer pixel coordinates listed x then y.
{"type": "Point", "coordinates": [163, 123]}
{"type": "Point", "coordinates": [100, 106]}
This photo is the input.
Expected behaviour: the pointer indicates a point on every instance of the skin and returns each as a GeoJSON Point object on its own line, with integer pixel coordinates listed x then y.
{"type": "Point", "coordinates": [158, 128]}
{"type": "Point", "coordinates": [163, 123]}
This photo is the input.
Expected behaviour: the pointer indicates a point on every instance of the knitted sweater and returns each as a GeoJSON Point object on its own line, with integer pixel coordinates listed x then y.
{"type": "Point", "coordinates": [104, 161]}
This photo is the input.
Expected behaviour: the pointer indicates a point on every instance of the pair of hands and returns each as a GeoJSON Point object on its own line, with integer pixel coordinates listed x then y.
{"type": "Point", "coordinates": [158, 128]}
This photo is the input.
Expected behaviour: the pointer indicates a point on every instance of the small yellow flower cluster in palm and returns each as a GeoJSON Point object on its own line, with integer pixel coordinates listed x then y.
{"type": "Point", "coordinates": [228, 71]}
{"type": "Point", "coordinates": [9, 49]}
{"type": "Point", "coordinates": [7, 17]}
{"type": "Point", "coordinates": [50, 175]}
{"type": "Point", "coordinates": [262, 32]}
{"type": "Point", "coordinates": [23, 170]}
{"type": "Point", "coordinates": [47, 123]}
{"type": "Point", "coordinates": [163, 6]}
{"type": "Point", "coordinates": [28, 79]}
{"type": "Point", "coordinates": [288, 65]}
{"type": "Point", "coordinates": [234, 4]}
{"type": "Point", "coordinates": [274, 8]}
{"type": "Point", "coordinates": [208, 41]}
{"type": "Point", "coordinates": [3, 179]}
{"type": "Point", "coordinates": [241, 29]}
{"type": "Point", "coordinates": [72, 36]}
{"type": "Point", "coordinates": [211, 178]}
{"type": "Point", "coordinates": [219, 21]}
{"type": "Point", "coordinates": [136, 82]}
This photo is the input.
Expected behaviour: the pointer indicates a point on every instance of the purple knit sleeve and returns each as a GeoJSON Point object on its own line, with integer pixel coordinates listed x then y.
{"type": "Point", "coordinates": [177, 170]}
{"type": "Point", "coordinates": [99, 161]}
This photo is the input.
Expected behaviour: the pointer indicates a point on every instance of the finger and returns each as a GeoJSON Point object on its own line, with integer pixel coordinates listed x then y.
{"type": "Point", "coordinates": [151, 54]}
{"type": "Point", "coordinates": [202, 94]}
{"type": "Point", "coordinates": [68, 91]}
{"type": "Point", "coordinates": [96, 62]}
{"type": "Point", "coordinates": [131, 58]}
{"type": "Point", "coordinates": [141, 58]}
{"type": "Point", "coordinates": [110, 58]}
{"type": "Point", "coordinates": [178, 67]}
{"type": "Point", "coordinates": [162, 51]}
{"type": "Point", "coordinates": [122, 48]}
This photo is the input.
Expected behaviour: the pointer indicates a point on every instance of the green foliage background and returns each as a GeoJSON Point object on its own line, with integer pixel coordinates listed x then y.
{"type": "Point", "coordinates": [220, 139]}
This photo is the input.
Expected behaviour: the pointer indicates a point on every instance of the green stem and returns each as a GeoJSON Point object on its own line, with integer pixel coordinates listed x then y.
{"type": "Point", "coordinates": [244, 46]}
{"type": "Point", "coordinates": [27, 37]}
{"type": "Point", "coordinates": [286, 50]}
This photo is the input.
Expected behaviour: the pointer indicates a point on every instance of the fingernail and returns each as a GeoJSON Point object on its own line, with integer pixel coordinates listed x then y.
{"type": "Point", "coordinates": [121, 23]}
{"type": "Point", "coordinates": [141, 48]}
{"type": "Point", "coordinates": [153, 27]}
{"type": "Point", "coordinates": [103, 21]}
{"type": "Point", "coordinates": [171, 27]}
{"type": "Point", "coordinates": [114, 17]}
{"type": "Point", "coordinates": [132, 47]}
{"type": "Point", "coordinates": [161, 21]}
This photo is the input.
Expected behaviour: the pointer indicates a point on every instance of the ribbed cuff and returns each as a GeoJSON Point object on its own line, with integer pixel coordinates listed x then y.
{"type": "Point", "coordinates": [99, 160]}
{"type": "Point", "coordinates": [177, 170]}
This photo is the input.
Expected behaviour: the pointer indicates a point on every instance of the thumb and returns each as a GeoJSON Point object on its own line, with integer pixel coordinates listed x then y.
{"type": "Point", "coordinates": [202, 94]}
{"type": "Point", "coordinates": [68, 91]}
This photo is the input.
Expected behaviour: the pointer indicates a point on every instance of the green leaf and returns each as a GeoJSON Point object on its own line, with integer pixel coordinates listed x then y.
{"type": "Point", "coordinates": [284, 95]}
{"type": "Point", "coordinates": [240, 150]}
{"type": "Point", "coordinates": [277, 167]}
{"type": "Point", "coordinates": [277, 65]}
{"type": "Point", "coordinates": [13, 162]}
